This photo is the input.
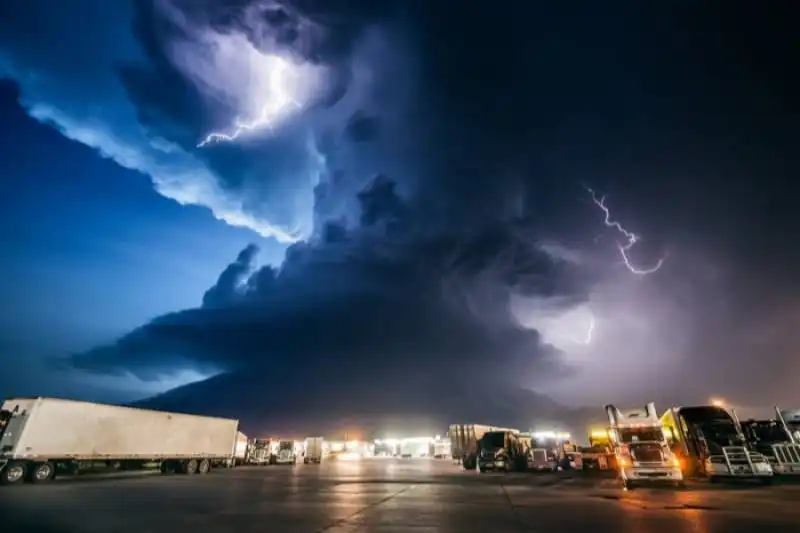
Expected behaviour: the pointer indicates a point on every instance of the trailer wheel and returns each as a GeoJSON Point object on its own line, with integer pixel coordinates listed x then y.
{"type": "Point", "coordinates": [42, 472]}
{"type": "Point", "coordinates": [204, 466]}
{"type": "Point", "coordinates": [13, 473]}
{"type": "Point", "coordinates": [191, 467]}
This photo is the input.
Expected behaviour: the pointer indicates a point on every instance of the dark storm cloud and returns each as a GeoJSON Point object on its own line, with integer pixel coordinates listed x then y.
{"type": "Point", "coordinates": [227, 286]}
{"type": "Point", "coordinates": [488, 119]}
{"type": "Point", "coordinates": [362, 127]}
{"type": "Point", "coordinates": [390, 295]}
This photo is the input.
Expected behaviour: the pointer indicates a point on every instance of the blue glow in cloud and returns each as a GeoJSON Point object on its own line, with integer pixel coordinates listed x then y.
{"type": "Point", "coordinates": [144, 85]}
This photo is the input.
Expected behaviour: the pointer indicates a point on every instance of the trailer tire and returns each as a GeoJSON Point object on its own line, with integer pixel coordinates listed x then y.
{"type": "Point", "coordinates": [190, 467]}
{"type": "Point", "coordinates": [42, 472]}
{"type": "Point", "coordinates": [13, 473]}
{"type": "Point", "coordinates": [204, 466]}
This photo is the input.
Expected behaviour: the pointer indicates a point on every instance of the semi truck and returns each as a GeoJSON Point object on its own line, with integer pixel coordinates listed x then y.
{"type": "Point", "coordinates": [502, 450]}
{"type": "Point", "coordinates": [708, 441]}
{"type": "Point", "coordinates": [464, 442]}
{"type": "Point", "coordinates": [775, 439]}
{"type": "Point", "coordinates": [286, 453]}
{"type": "Point", "coordinates": [259, 452]}
{"type": "Point", "coordinates": [640, 447]}
{"type": "Point", "coordinates": [546, 450]}
{"type": "Point", "coordinates": [313, 450]}
{"type": "Point", "coordinates": [42, 436]}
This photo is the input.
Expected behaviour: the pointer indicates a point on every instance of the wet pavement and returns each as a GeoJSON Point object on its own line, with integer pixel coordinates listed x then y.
{"type": "Point", "coordinates": [388, 495]}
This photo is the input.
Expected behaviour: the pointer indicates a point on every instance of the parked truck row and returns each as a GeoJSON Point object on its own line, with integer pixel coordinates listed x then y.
{"type": "Point", "coordinates": [40, 437]}
{"type": "Point", "coordinates": [639, 446]}
{"type": "Point", "coordinates": [272, 451]}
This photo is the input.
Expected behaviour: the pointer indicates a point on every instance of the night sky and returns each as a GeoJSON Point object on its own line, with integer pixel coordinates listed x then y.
{"type": "Point", "coordinates": [409, 232]}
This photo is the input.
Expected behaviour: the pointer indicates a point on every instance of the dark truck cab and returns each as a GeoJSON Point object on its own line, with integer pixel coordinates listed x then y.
{"type": "Point", "coordinates": [709, 441]}
{"type": "Point", "coordinates": [501, 450]}
{"type": "Point", "coordinates": [774, 440]}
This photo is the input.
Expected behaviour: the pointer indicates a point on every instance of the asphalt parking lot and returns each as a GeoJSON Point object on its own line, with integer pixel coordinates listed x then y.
{"type": "Point", "coordinates": [388, 495]}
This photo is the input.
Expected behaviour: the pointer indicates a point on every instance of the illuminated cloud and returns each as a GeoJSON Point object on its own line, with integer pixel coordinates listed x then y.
{"type": "Point", "coordinates": [143, 86]}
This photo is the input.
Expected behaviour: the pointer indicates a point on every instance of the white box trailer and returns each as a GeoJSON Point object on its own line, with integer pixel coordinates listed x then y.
{"type": "Point", "coordinates": [312, 450]}
{"type": "Point", "coordinates": [39, 434]}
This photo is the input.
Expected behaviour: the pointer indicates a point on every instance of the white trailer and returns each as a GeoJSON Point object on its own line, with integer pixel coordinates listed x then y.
{"type": "Point", "coordinates": [37, 435]}
{"type": "Point", "coordinates": [313, 450]}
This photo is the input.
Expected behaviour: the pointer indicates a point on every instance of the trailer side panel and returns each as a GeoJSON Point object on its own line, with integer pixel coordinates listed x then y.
{"type": "Point", "coordinates": [58, 428]}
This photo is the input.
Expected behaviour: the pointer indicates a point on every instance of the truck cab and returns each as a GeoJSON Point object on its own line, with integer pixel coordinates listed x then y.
{"type": "Point", "coordinates": [286, 453]}
{"type": "Point", "coordinates": [709, 442]}
{"type": "Point", "coordinates": [259, 452]}
{"type": "Point", "coordinates": [501, 450]}
{"type": "Point", "coordinates": [774, 439]}
{"type": "Point", "coordinates": [640, 447]}
{"type": "Point", "coordinates": [545, 450]}
{"type": "Point", "coordinates": [13, 416]}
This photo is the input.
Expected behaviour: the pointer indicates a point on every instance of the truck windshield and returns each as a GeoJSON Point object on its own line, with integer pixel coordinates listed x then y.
{"type": "Point", "coordinates": [714, 425]}
{"type": "Point", "coordinates": [493, 439]}
{"type": "Point", "coordinates": [286, 445]}
{"type": "Point", "coordinates": [629, 435]}
{"type": "Point", "coordinates": [765, 431]}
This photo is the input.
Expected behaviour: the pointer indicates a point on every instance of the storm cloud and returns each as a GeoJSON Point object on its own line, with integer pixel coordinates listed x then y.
{"type": "Point", "coordinates": [428, 184]}
{"type": "Point", "coordinates": [145, 82]}
{"type": "Point", "coordinates": [390, 292]}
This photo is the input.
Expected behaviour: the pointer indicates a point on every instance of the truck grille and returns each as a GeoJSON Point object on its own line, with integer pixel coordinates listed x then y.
{"type": "Point", "coordinates": [736, 454]}
{"type": "Point", "coordinates": [647, 453]}
{"type": "Point", "coordinates": [540, 456]}
{"type": "Point", "coordinates": [787, 453]}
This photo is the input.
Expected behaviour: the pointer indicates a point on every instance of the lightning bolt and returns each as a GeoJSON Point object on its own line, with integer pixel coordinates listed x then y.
{"type": "Point", "coordinates": [631, 238]}
{"type": "Point", "coordinates": [280, 101]}
{"type": "Point", "coordinates": [587, 340]}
